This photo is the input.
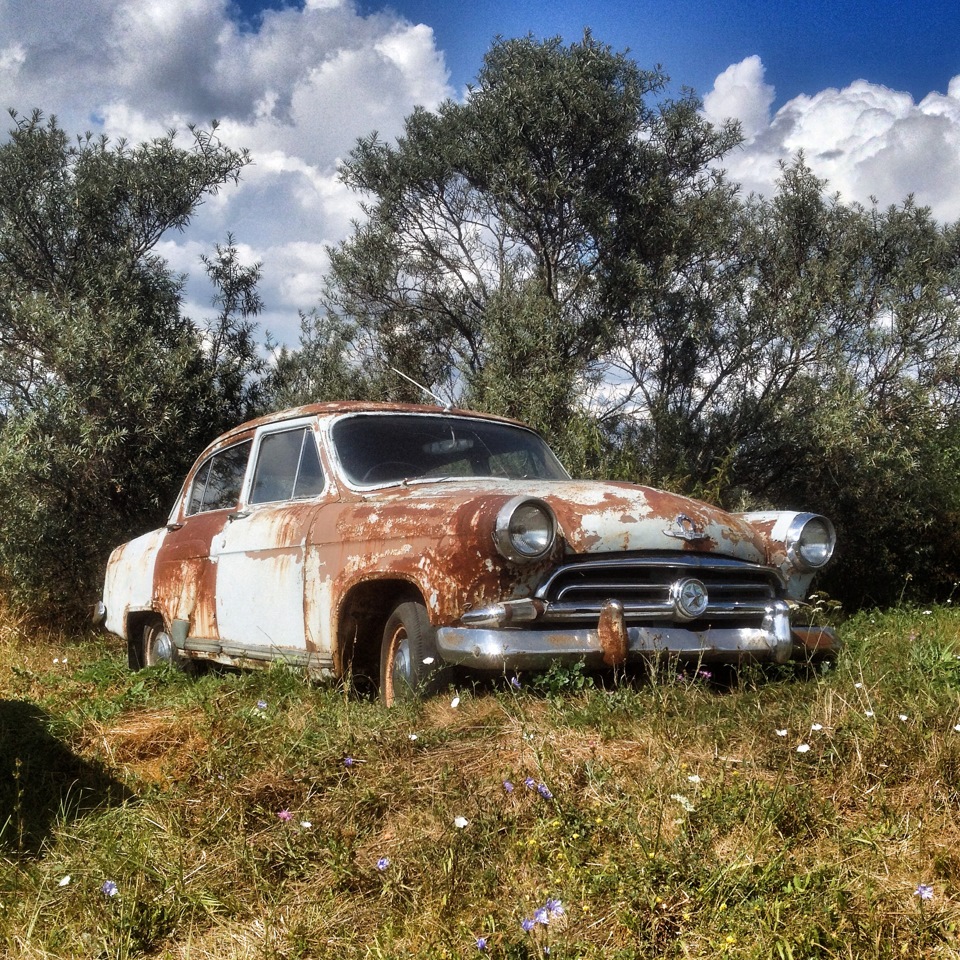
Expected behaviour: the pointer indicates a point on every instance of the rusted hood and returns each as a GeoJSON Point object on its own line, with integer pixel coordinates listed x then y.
{"type": "Point", "coordinates": [598, 517]}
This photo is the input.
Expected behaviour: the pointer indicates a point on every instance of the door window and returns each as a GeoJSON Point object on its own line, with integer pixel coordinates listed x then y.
{"type": "Point", "coordinates": [288, 467]}
{"type": "Point", "coordinates": [218, 482]}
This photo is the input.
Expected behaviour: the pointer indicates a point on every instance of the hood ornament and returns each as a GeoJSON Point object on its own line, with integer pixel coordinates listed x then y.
{"type": "Point", "coordinates": [685, 529]}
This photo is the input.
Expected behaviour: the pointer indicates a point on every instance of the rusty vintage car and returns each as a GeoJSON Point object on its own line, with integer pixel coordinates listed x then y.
{"type": "Point", "coordinates": [393, 541]}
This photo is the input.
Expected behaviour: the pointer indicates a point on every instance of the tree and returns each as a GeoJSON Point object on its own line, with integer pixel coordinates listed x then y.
{"type": "Point", "coordinates": [327, 366]}
{"type": "Point", "coordinates": [513, 234]}
{"type": "Point", "coordinates": [561, 248]}
{"type": "Point", "coordinates": [232, 350]}
{"type": "Point", "coordinates": [104, 384]}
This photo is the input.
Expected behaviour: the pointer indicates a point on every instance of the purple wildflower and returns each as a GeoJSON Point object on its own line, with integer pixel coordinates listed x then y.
{"type": "Point", "coordinates": [515, 683]}
{"type": "Point", "coordinates": [383, 863]}
{"type": "Point", "coordinates": [508, 786]}
{"type": "Point", "coordinates": [348, 761]}
{"type": "Point", "coordinates": [109, 888]}
{"type": "Point", "coordinates": [529, 783]}
{"type": "Point", "coordinates": [261, 704]}
{"type": "Point", "coordinates": [527, 923]}
{"type": "Point", "coordinates": [542, 916]}
{"type": "Point", "coordinates": [481, 943]}
{"type": "Point", "coordinates": [555, 907]}
{"type": "Point", "coordinates": [924, 892]}
{"type": "Point", "coordinates": [285, 815]}
{"type": "Point", "coordinates": [544, 791]}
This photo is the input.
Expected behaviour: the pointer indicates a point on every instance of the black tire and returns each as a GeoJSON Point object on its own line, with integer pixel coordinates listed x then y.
{"type": "Point", "coordinates": [408, 641]}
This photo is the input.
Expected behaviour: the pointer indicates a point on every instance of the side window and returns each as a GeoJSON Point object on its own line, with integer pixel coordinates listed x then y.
{"type": "Point", "coordinates": [288, 467]}
{"type": "Point", "coordinates": [218, 482]}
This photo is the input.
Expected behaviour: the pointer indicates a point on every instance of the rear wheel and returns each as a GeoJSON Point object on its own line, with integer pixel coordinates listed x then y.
{"type": "Point", "coordinates": [409, 666]}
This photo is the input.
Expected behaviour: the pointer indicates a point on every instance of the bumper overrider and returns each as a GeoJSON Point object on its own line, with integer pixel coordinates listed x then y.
{"type": "Point", "coordinates": [506, 636]}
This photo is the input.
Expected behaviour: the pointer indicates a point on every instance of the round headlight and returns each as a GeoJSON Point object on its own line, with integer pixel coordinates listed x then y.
{"type": "Point", "coordinates": [525, 529]}
{"type": "Point", "coordinates": [810, 541]}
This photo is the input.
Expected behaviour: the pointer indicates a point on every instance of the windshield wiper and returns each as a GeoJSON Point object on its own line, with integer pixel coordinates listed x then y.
{"type": "Point", "coordinates": [445, 479]}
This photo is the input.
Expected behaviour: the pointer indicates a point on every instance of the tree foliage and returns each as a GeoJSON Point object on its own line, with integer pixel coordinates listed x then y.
{"type": "Point", "coordinates": [512, 235]}
{"type": "Point", "coordinates": [562, 248]}
{"type": "Point", "coordinates": [106, 388]}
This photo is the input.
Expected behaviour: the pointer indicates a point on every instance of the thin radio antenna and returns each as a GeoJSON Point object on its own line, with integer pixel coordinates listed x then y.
{"type": "Point", "coordinates": [426, 390]}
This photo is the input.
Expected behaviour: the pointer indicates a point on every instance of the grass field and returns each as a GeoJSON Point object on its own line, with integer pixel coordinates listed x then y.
{"type": "Point", "coordinates": [259, 816]}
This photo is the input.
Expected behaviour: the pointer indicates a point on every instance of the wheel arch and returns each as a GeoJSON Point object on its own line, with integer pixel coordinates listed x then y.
{"type": "Point", "coordinates": [364, 612]}
{"type": "Point", "coordinates": [135, 622]}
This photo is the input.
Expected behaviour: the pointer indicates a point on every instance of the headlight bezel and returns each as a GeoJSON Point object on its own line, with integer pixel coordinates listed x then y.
{"type": "Point", "coordinates": [509, 536]}
{"type": "Point", "coordinates": [798, 541]}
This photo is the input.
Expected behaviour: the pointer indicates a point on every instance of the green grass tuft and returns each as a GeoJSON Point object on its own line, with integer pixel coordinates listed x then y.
{"type": "Point", "coordinates": [672, 814]}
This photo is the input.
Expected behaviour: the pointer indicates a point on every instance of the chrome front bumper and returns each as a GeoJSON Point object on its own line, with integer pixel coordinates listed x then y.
{"type": "Point", "coordinates": [611, 642]}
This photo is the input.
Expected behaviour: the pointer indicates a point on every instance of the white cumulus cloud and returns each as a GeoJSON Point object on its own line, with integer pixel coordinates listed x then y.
{"type": "Point", "coordinates": [740, 93]}
{"type": "Point", "coordinates": [865, 139]}
{"type": "Point", "coordinates": [296, 88]}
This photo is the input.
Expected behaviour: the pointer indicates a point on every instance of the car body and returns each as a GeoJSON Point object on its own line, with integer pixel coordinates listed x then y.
{"type": "Point", "coordinates": [398, 540]}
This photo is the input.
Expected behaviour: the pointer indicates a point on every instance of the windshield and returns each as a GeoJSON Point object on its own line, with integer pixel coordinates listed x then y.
{"type": "Point", "coordinates": [390, 448]}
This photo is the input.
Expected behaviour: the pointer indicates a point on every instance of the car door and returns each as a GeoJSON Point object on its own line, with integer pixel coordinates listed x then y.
{"type": "Point", "coordinates": [185, 580]}
{"type": "Point", "coordinates": [259, 555]}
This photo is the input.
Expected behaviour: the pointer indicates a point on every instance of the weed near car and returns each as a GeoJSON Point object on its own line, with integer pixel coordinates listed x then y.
{"type": "Point", "coordinates": [260, 816]}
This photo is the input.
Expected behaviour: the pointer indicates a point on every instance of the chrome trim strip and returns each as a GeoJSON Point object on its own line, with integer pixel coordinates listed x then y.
{"type": "Point", "coordinates": [565, 612]}
{"type": "Point", "coordinates": [681, 562]}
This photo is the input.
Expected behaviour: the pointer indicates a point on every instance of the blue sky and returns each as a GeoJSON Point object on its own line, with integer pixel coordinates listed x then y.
{"type": "Point", "coordinates": [806, 46]}
{"type": "Point", "coordinates": [869, 92]}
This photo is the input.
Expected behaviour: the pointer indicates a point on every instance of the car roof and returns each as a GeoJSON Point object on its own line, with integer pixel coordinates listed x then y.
{"type": "Point", "coordinates": [341, 407]}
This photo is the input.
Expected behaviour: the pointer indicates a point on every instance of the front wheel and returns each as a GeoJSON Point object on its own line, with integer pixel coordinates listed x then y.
{"type": "Point", "coordinates": [409, 666]}
{"type": "Point", "coordinates": [158, 647]}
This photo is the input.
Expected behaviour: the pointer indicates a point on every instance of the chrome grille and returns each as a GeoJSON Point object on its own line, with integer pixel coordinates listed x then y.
{"type": "Point", "coordinates": [736, 589]}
